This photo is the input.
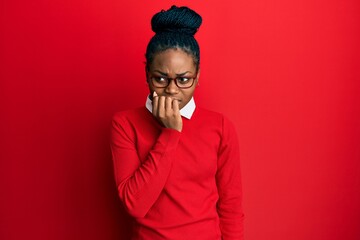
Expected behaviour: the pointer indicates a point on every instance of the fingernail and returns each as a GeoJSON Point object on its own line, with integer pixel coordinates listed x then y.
{"type": "Point", "coordinates": [154, 94]}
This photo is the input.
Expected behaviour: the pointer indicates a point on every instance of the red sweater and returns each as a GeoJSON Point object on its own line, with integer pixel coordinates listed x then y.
{"type": "Point", "coordinates": [178, 185]}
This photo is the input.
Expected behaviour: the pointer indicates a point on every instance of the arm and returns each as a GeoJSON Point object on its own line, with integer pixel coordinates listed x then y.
{"type": "Point", "coordinates": [228, 179]}
{"type": "Point", "coordinates": [140, 184]}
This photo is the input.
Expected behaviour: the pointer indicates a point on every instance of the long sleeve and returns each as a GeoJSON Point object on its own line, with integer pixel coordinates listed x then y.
{"type": "Point", "coordinates": [140, 183]}
{"type": "Point", "coordinates": [228, 179]}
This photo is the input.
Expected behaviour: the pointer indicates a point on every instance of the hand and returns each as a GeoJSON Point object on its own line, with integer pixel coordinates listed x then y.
{"type": "Point", "coordinates": [166, 110]}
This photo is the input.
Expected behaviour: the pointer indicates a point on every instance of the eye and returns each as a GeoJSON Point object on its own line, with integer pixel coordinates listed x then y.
{"type": "Point", "coordinates": [159, 79]}
{"type": "Point", "coordinates": [183, 80]}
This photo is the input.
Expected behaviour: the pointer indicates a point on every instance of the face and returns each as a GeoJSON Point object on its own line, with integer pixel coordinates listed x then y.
{"type": "Point", "coordinates": [173, 63]}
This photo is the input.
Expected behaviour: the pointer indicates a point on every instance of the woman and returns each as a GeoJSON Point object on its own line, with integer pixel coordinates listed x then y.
{"type": "Point", "coordinates": [177, 165]}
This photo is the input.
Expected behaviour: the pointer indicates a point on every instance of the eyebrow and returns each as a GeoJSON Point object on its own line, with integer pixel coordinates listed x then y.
{"type": "Point", "coordinates": [178, 75]}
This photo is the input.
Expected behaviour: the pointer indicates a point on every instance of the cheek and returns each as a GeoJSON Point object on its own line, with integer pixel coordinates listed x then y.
{"type": "Point", "coordinates": [159, 92]}
{"type": "Point", "coordinates": [191, 92]}
{"type": "Point", "coordinates": [188, 95]}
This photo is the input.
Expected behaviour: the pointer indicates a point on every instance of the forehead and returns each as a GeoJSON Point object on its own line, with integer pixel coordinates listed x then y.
{"type": "Point", "coordinates": [173, 60]}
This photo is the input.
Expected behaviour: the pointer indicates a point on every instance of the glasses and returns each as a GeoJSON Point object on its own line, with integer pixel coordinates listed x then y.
{"type": "Point", "coordinates": [180, 82]}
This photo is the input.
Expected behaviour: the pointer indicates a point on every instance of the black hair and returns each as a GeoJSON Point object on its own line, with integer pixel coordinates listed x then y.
{"type": "Point", "coordinates": [174, 29]}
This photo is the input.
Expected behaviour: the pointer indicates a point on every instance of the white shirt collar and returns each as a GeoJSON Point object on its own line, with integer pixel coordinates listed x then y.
{"type": "Point", "coordinates": [187, 111]}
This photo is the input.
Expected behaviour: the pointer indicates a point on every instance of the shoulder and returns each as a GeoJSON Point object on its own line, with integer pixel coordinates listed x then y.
{"type": "Point", "coordinates": [219, 121]}
{"type": "Point", "coordinates": [130, 114]}
{"type": "Point", "coordinates": [213, 116]}
{"type": "Point", "coordinates": [208, 114]}
{"type": "Point", "coordinates": [125, 123]}
{"type": "Point", "coordinates": [131, 119]}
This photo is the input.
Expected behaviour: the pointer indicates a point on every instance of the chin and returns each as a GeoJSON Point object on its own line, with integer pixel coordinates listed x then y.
{"type": "Point", "coordinates": [181, 105]}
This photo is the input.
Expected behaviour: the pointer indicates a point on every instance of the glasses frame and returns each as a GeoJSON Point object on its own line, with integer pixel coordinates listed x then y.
{"type": "Point", "coordinates": [173, 79]}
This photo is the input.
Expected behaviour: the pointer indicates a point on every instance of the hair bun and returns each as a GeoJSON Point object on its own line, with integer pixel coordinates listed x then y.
{"type": "Point", "coordinates": [176, 19]}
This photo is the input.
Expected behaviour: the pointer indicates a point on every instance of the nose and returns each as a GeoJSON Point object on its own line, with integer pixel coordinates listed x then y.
{"type": "Point", "coordinates": [172, 88]}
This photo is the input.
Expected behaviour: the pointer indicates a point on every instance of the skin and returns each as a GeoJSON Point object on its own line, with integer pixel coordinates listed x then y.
{"type": "Point", "coordinates": [168, 101]}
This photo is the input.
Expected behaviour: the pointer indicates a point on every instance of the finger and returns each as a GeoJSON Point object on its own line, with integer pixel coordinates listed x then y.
{"type": "Point", "coordinates": [155, 104]}
{"type": "Point", "coordinates": [161, 106]}
{"type": "Point", "coordinates": [168, 106]}
{"type": "Point", "coordinates": [175, 106]}
{"type": "Point", "coordinates": [154, 94]}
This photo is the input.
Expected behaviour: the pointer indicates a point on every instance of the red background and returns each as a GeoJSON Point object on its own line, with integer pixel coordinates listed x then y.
{"type": "Point", "coordinates": [285, 72]}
